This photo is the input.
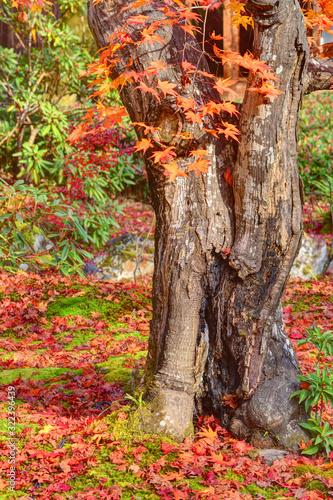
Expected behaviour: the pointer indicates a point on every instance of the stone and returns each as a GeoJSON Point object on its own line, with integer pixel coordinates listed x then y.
{"type": "Point", "coordinates": [41, 243]}
{"type": "Point", "coordinates": [90, 269]}
{"type": "Point", "coordinates": [126, 258]}
{"type": "Point", "coordinates": [24, 267]}
{"type": "Point", "coordinates": [271, 454]}
{"type": "Point", "coordinates": [311, 260]}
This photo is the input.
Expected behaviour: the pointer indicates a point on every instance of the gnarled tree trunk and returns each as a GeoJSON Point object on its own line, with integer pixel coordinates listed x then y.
{"type": "Point", "coordinates": [217, 325]}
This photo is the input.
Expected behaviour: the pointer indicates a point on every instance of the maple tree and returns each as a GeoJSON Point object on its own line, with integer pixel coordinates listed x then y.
{"type": "Point", "coordinates": [228, 201]}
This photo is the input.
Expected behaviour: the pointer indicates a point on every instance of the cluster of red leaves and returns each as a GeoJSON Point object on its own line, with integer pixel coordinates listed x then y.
{"type": "Point", "coordinates": [313, 220]}
{"type": "Point", "coordinates": [93, 155]}
{"type": "Point", "coordinates": [135, 219]}
{"type": "Point", "coordinates": [202, 111]}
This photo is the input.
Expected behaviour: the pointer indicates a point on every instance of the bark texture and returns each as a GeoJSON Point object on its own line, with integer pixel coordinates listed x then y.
{"type": "Point", "coordinates": [217, 325]}
{"type": "Point", "coordinates": [319, 75]}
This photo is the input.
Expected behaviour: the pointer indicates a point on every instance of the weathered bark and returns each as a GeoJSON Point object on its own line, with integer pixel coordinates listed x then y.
{"type": "Point", "coordinates": [217, 325]}
{"type": "Point", "coordinates": [319, 74]}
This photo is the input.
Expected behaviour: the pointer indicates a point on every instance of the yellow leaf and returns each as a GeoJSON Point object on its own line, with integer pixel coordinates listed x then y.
{"type": "Point", "coordinates": [46, 429]}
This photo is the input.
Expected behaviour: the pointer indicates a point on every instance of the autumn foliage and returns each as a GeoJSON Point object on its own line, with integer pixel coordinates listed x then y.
{"type": "Point", "coordinates": [212, 115]}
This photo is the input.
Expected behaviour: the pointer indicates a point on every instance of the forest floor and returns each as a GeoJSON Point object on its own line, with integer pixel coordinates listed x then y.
{"type": "Point", "coordinates": [73, 349]}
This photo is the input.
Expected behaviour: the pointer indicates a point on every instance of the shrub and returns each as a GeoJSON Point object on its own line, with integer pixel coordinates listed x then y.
{"type": "Point", "coordinates": [316, 138]}
{"type": "Point", "coordinates": [101, 164]}
{"type": "Point", "coordinates": [28, 211]}
{"type": "Point", "coordinates": [41, 92]}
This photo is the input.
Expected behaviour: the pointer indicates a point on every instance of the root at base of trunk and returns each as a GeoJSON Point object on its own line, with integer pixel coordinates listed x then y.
{"type": "Point", "coordinates": [270, 418]}
{"type": "Point", "coordinates": [167, 412]}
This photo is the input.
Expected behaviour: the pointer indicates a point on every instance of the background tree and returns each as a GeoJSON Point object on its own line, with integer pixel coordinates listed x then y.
{"type": "Point", "coordinates": [228, 219]}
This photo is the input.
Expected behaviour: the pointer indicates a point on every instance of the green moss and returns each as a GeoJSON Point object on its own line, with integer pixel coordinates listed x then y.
{"type": "Point", "coordinates": [4, 429]}
{"type": "Point", "coordinates": [268, 492]}
{"type": "Point", "coordinates": [7, 376]}
{"type": "Point", "coordinates": [80, 337]}
{"type": "Point", "coordinates": [6, 494]}
{"type": "Point", "coordinates": [230, 475]}
{"type": "Point", "coordinates": [85, 305]}
{"type": "Point", "coordinates": [306, 285]}
{"type": "Point", "coordinates": [115, 372]}
{"type": "Point", "coordinates": [316, 485]}
{"type": "Point", "coordinates": [303, 469]}
{"type": "Point", "coordinates": [106, 470]}
{"type": "Point", "coordinates": [300, 306]}
{"type": "Point", "coordinates": [195, 485]}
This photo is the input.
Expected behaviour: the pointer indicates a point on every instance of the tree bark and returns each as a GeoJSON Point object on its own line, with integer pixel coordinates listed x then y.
{"type": "Point", "coordinates": [217, 326]}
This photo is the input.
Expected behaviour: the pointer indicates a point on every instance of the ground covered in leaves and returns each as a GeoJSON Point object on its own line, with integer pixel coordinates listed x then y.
{"type": "Point", "coordinates": [74, 349]}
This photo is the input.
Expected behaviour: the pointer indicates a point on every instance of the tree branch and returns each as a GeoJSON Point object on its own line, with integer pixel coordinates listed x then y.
{"type": "Point", "coordinates": [319, 74]}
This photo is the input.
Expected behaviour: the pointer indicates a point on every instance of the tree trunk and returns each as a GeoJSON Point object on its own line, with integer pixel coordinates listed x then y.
{"type": "Point", "coordinates": [217, 325]}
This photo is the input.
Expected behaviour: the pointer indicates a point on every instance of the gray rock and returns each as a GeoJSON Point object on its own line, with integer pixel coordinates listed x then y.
{"type": "Point", "coordinates": [24, 267]}
{"type": "Point", "coordinates": [90, 269]}
{"type": "Point", "coordinates": [271, 454]}
{"type": "Point", "coordinates": [41, 243]}
{"type": "Point", "coordinates": [127, 258]}
{"type": "Point", "coordinates": [311, 260]}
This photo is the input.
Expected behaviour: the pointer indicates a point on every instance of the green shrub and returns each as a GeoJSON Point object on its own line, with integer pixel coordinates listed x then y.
{"type": "Point", "coordinates": [41, 92]}
{"type": "Point", "coordinates": [316, 138]}
{"type": "Point", "coordinates": [26, 212]}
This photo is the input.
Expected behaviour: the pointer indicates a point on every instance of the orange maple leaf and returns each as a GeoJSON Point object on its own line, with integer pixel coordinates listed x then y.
{"type": "Point", "coordinates": [267, 89]}
{"type": "Point", "coordinates": [216, 37]}
{"type": "Point", "coordinates": [138, 19]}
{"type": "Point", "coordinates": [185, 103]}
{"type": "Point", "coordinates": [188, 66]}
{"type": "Point", "coordinates": [199, 166]}
{"type": "Point", "coordinates": [134, 5]}
{"type": "Point", "coordinates": [217, 458]}
{"type": "Point", "coordinates": [143, 145]}
{"type": "Point", "coordinates": [77, 133]}
{"type": "Point", "coordinates": [155, 67]}
{"type": "Point", "coordinates": [229, 131]}
{"type": "Point", "coordinates": [208, 433]}
{"type": "Point", "coordinates": [199, 152]}
{"type": "Point", "coordinates": [173, 171]}
{"type": "Point", "coordinates": [189, 28]}
{"type": "Point", "coordinates": [166, 87]}
{"type": "Point", "coordinates": [163, 156]}
{"type": "Point", "coordinates": [222, 86]}
{"type": "Point", "coordinates": [193, 117]}
{"type": "Point", "coordinates": [148, 36]}
{"type": "Point", "coordinates": [228, 176]}
{"type": "Point", "coordinates": [147, 128]}
{"type": "Point", "coordinates": [144, 88]}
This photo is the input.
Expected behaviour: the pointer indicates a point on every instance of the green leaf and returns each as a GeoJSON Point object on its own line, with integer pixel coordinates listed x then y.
{"type": "Point", "coordinates": [310, 450]}
{"type": "Point", "coordinates": [64, 253]}
{"type": "Point", "coordinates": [19, 218]}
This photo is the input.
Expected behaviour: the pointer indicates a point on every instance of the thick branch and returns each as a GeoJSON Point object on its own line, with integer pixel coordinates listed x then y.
{"type": "Point", "coordinates": [319, 75]}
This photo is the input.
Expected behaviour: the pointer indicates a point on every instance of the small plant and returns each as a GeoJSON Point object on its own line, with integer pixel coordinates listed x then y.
{"type": "Point", "coordinates": [322, 435]}
{"type": "Point", "coordinates": [139, 402]}
{"type": "Point", "coordinates": [317, 389]}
